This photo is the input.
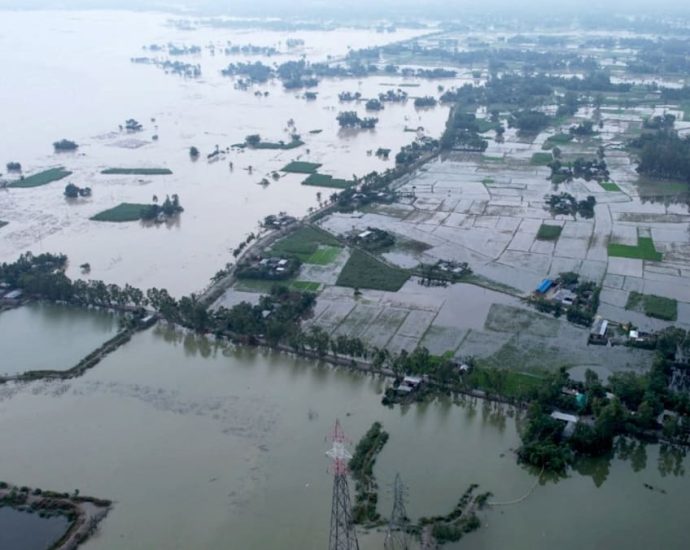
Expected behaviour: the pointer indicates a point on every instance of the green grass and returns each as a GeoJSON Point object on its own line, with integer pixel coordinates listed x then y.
{"type": "Point", "coordinates": [323, 180]}
{"type": "Point", "coordinates": [610, 186]}
{"type": "Point", "coordinates": [643, 251]}
{"type": "Point", "coordinates": [137, 171]}
{"type": "Point", "coordinates": [488, 181]}
{"type": "Point", "coordinates": [489, 158]}
{"type": "Point", "coordinates": [123, 212]}
{"type": "Point", "coordinates": [658, 307]}
{"type": "Point", "coordinates": [306, 286]}
{"type": "Point", "coordinates": [364, 271]}
{"type": "Point", "coordinates": [272, 145]}
{"type": "Point", "coordinates": [42, 178]}
{"type": "Point", "coordinates": [301, 167]}
{"type": "Point", "coordinates": [324, 255]}
{"type": "Point", "coordinates": [549, 232]}
{"type": "Point", "coordinates": [512, 383]}
{"type": "Point", "coordinates": [541, 159]}
{"type": "Point", "coordinates": [304, 243]}
{"type": "Point", "coordinates": [485, 125]}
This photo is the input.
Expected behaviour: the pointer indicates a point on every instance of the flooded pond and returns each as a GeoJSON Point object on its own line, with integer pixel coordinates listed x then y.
{"type": "Point", "coordinates": [228, 446]}
{"type": "Point", "coordinates": [29, 531]}
{"type": "Point", "coordinates": [42, 336]}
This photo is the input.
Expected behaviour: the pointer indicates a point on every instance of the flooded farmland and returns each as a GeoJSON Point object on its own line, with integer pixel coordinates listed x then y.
{"type": "Point", "coordinates": [203, 443]}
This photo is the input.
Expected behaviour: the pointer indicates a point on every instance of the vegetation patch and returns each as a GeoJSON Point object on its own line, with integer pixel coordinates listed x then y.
{"type": "Point", "coordinates": [301, 167]}
{"type": "Point", "coordinates": [643, 251]}
{"type": "Point", "coordinates": [541, 159]}
{"type": "Point", "coordinates": [364, 271]}
{"type": "Point", "coordinates": [324, 255]}
{"type": "Point", "coordinates": [651, 305]}
{"type": "Point", "coordinates": [322, 180]}
{"type": "Point", "coordinates": [557, 139]}
{"type": "Point", "coordinates": [610, 186]}
{"type": "Point", "coordinates": [137, 171]}
{"type": "Point", "coordinates": [305, 286]}
{"type": "Point", "coordinates": [123, 212]}
{"type": "Point", "coordinates": [42, 178]}
{"type": "Point", "coordinates": [304, 243]}
{"type": "Point", "coordinates": [549, 232]}
{"type": "Point", "coordinates": [362, 468]}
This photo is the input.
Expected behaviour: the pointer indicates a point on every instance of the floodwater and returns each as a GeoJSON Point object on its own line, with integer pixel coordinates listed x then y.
{"type": "Point", "coordinates": [202, 446]}
{"type": "Point", "coordinates": [50, 337]}
{"type": "Point", "coordinates": [29, 531]}
{"type": "Point", "coordinates": [72, 78]}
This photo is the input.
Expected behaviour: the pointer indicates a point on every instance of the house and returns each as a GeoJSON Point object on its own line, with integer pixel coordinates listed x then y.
{"type": "Point", "coordinates": [13, 295]}
{"type": "Point", "coordinates": [364, 234]}
{"type": "Point", "coordinates": [565, 296]}
{"type": "Point", "coordinates": [544, 286]}
{"type": "Point", "coordinates": [570, 422]}
{"type": "Point", "coordinates": [597, 335]}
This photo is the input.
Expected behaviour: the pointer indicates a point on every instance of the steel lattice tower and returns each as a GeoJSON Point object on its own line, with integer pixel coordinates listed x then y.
{"type": "Point", "coordinates": [343, 536]}
{"type": "Point", "coordinates": [396, 535]}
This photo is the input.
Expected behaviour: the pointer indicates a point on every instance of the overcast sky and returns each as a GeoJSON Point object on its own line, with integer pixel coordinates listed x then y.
{"type": "Point", "coordinates": [306, 8]}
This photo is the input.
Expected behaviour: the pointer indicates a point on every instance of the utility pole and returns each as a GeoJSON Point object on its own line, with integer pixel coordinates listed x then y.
{"type": "Point", "coordinates": [396, 535]}
{"type": "Point", "coordinates": [343, 536]}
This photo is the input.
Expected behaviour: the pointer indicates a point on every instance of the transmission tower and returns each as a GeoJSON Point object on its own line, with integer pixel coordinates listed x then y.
{"type": "Point", "coordinates": [343, 536]}
{"type": "Point", "coordinates": [396, 535]}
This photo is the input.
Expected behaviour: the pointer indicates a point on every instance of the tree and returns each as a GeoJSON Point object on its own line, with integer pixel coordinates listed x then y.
{"type": "Point", "coordinates": [253, 140]}
{"type": "Point", "coordinates": [71, 191]}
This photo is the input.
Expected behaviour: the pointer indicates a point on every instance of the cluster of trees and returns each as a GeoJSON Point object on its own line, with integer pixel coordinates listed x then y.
{"type": "Point", "coordinates": [65, 145]}
{"type": "Point", "coordinates": [412, 152]}
{"type": "Point", "coordinates": [567, 205]}
{"type": "Point", "coordinates": [350, 119]}
{"type": "Point", "coordinates": [373, 105]}
{"type": "Point", "coordinates": [462, 131]}
{"type": "Point", "coordinates": [349, 96]}
{"type": "Point", "coordinates": [72, 191]}
{"type": "Point", "coordinates": [426, 101]}
{"type": "Point", "coordinates": [663, 154]}
{"type": "Point", "coordinates": [633, 410]}
{"type": "Point", "coordinates": [170, 207]}
{"type": "Point", "coordinates": [14, 167]}
{"type": "Point", "coordinates": [585, 128]}
{"type": "Point", "coordinates": [588, 170]}
{"type": "Point", "coordinates": [529, 121]}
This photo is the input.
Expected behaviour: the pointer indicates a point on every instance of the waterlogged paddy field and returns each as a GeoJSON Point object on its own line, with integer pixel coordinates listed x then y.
{"type": "Point", "coordinates": [96, 88]}
{"type": "Point", "coordinates": [50, 337]}
{"type": "Point", "coordinates": [228, 447]}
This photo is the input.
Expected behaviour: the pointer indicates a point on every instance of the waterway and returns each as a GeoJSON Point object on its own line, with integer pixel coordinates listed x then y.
{"type": "Point", "coordinates": [205, 446]}
{"type": "Point", "coordinates": [29, 531]}
{"type": "Point", "coordinates": [41, 336]}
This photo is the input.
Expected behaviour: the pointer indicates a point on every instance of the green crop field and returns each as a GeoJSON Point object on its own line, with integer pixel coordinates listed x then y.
{"type": "Point", "coordinates": [137, 171]}
{"type": "Point", "coordinates": [549, 232]}
{"type": "Point", "coordinates": [123, 212]}
{"type": "Point", "coordinates": [306, 286]}
{"type": "Point", "coordinates": [541, 159]}
{"type": "Point", "coordinates": [555, 140]}
{"type": "Point", "coordinates": [364, 271]}
{"type": "Point", "coordinates": [323, 180]}
{"type": "Point", "coordinates": [304, 243]}
{"type": "Point", "coordinates": [643, 251]}
{"type": "Point", "coordinates": [301, 167]}
{"type": "Point", "coordinates": [324, 255]}
{"type": "Point", "coordinates": [610, 186]}
{"type": "Point", "coordinates": [651, 305]}
{"type": "Point", "coordinates": [41, 178]}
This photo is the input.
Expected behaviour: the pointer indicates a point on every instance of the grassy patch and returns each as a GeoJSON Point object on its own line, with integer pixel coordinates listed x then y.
{"type": "Point", "coordinates": [364, 271]}
{"type": "Point", "coordinates": [306, 286]}
{"type": "Point", "coordinates": [123, 212]}
{"type": "Point", "coordinates": [301, 167]}
{"type": "Point", "coordinates": [272, 145]}
{"type": "Point", "coordinates": [643, 251]}
{"type": "Point", "coordinates": [514, 384]}
{"type": "Point", "coordinates": [137, 171]}
{"type": "Point", "coordinates": [323, 180]}
{"type": "Point", "coordinates": [488, 181]}
{"type": "Point", "coordinates": [541, 159]}
{"type": "Point", "coordinates": [651, 305]}
{"type": "Point", "coordinates": [549, 232]}
{"type": "Point", "coordinates": [324, 255]}
{"type": "Point", "coordinates": [304, 243]}
{"type": "Point", "coordinates": [485, 125]}
{"type": "Point", "coordinates": [42, 178]}
{"type": "Point", "coordinates": [489, 158]}
{"type": "Point", "coordinates": [610, 186]}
